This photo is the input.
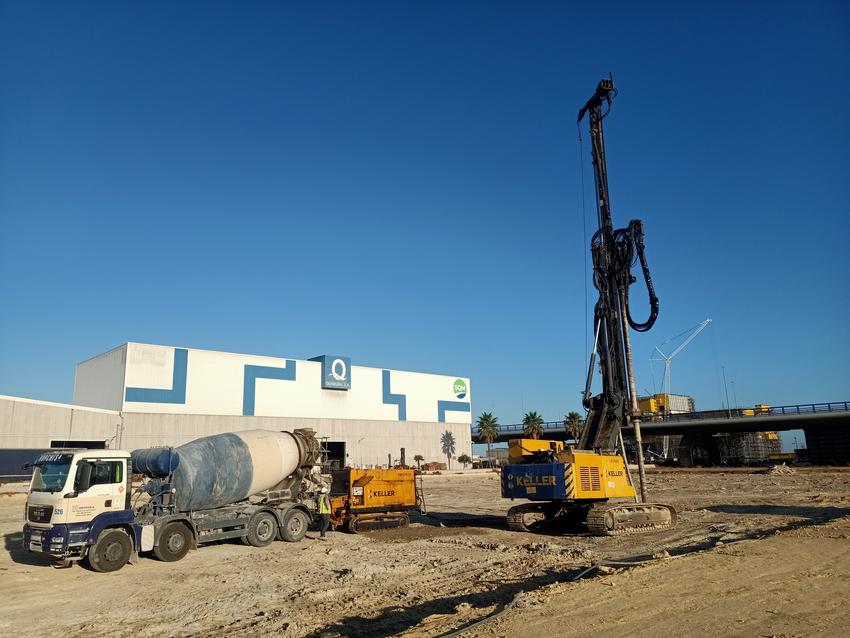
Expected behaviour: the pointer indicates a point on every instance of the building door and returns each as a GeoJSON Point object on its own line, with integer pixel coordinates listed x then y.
{"type": "Point", "coordinates": [336, 454]}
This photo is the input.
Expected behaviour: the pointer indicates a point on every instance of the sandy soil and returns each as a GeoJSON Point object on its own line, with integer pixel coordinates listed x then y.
{"type": "Point", "coordinates": [753, 554]}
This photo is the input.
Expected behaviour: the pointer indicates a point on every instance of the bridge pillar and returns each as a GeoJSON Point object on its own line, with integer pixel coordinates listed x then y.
{"type": "Point", "coordinates": [828, 445]}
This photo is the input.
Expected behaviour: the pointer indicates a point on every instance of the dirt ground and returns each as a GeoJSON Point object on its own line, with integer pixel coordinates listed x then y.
{"type": "Point", "coordinates": [753, 554]}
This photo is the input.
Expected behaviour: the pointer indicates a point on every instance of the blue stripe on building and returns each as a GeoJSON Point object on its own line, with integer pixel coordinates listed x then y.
{"type": "Point", "coordinates": [450, 406]}
{"type": "Point", "coordinates": [393, 399]}
{"type": "Point", "coordinates": [177, 393]}
{"type": "Point", "coordinates": [252, 373]}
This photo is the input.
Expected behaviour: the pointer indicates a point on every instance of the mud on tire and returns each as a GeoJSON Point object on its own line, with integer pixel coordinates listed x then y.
{"type": "Point", "coordinates": [111, 551]}
{"type": "Point", "coordinates": [262, 529]}
{"type": "Point", "coordinates": [174, 542]}
{"type": "Point", "coordinates": [294, 526]}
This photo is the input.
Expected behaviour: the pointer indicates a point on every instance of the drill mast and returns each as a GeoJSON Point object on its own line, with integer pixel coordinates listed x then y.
{"type": "Point", "coordinates": [614, 251]}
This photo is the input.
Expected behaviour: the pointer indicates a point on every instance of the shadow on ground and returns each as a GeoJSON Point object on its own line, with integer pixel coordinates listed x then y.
{"type": "Point", "coordinates": [809, 517]}
{"type": "Point", "coordinates": [459, 519]}
{"type": "Point", "coordinates": [395, 620]}
{"type": "Point", "coordinates": [13, 545]}
{"type": "Point", "coordinates": [559, 527]}
{"type": "Point", "coordinates": [815, 514]}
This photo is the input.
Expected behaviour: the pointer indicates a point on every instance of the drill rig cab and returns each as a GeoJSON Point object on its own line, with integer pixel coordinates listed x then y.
{"type": "Point", "coordinates": [577, 483]}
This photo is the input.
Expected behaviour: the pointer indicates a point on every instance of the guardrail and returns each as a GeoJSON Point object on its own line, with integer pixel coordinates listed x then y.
{"type": "Point", "coordinates": [518, 427]}
{"type": "Point", "coordinates": [750, 412]}
{"type": "Point", "coordinates": [736, 413]}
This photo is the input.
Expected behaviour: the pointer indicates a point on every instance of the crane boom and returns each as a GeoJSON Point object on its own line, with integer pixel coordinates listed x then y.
{"type": "Point", "coordinates": [667, 358]}
{"type": "Point", "coordinates": [613, 252]}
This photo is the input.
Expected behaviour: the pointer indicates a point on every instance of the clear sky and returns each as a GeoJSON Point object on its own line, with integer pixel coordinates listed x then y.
{"type": "Point", "coordinates": [400, 183]}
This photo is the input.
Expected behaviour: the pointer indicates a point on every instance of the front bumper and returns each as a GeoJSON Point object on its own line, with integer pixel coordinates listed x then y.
{"type": "Point", "coordinates": [59, 540]}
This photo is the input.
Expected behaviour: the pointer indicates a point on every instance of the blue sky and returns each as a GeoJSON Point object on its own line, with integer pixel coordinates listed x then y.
{"type": "Point", "coordinates": [401, 183]}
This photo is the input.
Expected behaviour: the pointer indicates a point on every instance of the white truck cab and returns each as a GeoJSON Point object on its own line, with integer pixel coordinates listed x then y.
{"type": "Point", "coordinates": [73, 496]}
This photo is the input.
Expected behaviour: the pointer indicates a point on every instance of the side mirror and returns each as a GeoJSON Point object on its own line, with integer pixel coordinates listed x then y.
{"type": "Point", "coordinates": [82, 482]}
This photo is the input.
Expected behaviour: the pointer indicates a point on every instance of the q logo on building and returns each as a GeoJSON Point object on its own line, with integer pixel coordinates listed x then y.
{"type": "Point", "coordinates": [339, 371]}
{"type": "Point", "coordinates": [336, 372]}
{"type": "Point", "coordinates": [460, 388]}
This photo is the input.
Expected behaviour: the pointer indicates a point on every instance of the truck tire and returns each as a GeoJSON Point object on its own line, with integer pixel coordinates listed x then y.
{"type": "Point", "coordinates": [174, 542]}
{"type": "Point", "coordinates": [294, 526]}
{"type": "Point", "coordinates": [262, 529]}
{"type": "Point", "coordinates": [111, 551]}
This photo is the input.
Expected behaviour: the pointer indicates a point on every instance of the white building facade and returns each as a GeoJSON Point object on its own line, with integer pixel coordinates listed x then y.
{"type": "Point", "coordinates": [139, 377]}
{"type": "Point", "coordinates": [140, 395]}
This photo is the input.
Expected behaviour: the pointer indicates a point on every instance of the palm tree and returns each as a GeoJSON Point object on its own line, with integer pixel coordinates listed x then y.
{"type": "Point", "coordinates": [465, 459]}
{"type": "Point", "coordinates": [488, 429]}
{"type": "Point", "coordinates": [447, 441]}
{"type": "Point", "coordinates": [532, 425]}
{"type": "Point", "coordinates": [418, 458]}
{"type": "Point", "coordinates": [573, 424]}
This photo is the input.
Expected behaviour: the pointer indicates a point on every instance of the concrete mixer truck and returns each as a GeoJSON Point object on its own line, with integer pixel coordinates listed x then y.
{"type": "Point", "coordinates": [253, 485]}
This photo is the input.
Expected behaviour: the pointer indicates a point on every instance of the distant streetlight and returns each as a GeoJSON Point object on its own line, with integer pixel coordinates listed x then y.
{"type": "Point", "coordinates": [728, 409]}
{"type": "Point", "coordinates": [735, 396]}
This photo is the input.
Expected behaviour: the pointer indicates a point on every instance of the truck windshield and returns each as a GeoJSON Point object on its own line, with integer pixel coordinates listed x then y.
{"type": "Point", "coordinates": [50, 471]}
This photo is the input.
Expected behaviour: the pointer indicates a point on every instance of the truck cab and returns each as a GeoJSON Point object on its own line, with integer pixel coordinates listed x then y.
{"type": "Point", "coordinates": [73, 496]}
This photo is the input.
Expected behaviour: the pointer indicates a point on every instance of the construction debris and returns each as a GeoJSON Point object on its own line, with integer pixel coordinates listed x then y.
{"type": "Point", "coordinates": [779, 469]}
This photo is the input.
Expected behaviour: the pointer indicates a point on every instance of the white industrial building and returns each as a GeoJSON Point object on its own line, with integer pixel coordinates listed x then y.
{"type": "Point", "coordinates": [140, 395]}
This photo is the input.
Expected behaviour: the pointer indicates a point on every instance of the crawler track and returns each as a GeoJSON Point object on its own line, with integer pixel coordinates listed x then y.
{"type": "Point", "coordinates": [602, 519]}
{"type": "Point", "coordinates": [370, 523]}
{"type": "Point", "coordinates": [614, 519]}
{"type": "Point", "coordinates": [522, 517]}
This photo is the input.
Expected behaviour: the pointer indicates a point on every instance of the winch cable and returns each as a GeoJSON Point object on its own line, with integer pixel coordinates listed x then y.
{"type": "Point", "coordinates": [583, 233]}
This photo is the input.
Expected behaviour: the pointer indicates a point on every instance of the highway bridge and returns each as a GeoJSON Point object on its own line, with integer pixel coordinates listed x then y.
{"type": "Point", "coordinates": [826, 425]}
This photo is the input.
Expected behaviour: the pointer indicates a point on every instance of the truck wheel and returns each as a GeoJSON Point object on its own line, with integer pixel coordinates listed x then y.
{"type": "Point", "coordinates": [294, 526]}
{"type": "Point", "coordinates": [262, 529]}
{"type": "Point", "coordinates": [174, 543]}
{"type": "Point", "coordinates": [111, 551]}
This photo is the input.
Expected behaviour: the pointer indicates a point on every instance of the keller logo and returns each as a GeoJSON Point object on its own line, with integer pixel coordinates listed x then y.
{"type": "Point", "coordinates": [460, 388]}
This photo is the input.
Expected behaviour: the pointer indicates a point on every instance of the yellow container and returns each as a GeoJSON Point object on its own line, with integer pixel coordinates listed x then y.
{"type": "Point", "coordinates": [372, 495]}
{"type": "Point", "coordinates": [648, 405]}
{"type": "Point", "coordinates": [382, 488]}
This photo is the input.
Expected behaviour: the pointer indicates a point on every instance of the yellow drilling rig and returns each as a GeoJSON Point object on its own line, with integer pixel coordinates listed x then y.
{"type": "Point", "coordinates": [578, 483]}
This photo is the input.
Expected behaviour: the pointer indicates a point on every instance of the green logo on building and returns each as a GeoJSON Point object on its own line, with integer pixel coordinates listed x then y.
{"type": "Point", "coordinates": [460, 388]}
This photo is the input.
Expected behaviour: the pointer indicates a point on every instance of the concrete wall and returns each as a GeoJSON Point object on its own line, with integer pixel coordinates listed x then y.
{"type": "Point", "coordinates": [25, 423]}
{"type": "Point", "coordinates": [366, 442]}
{"type": "Point", "coordinates": [99, 381]}
{"type": "Point", "coordinates": [164, 379]}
